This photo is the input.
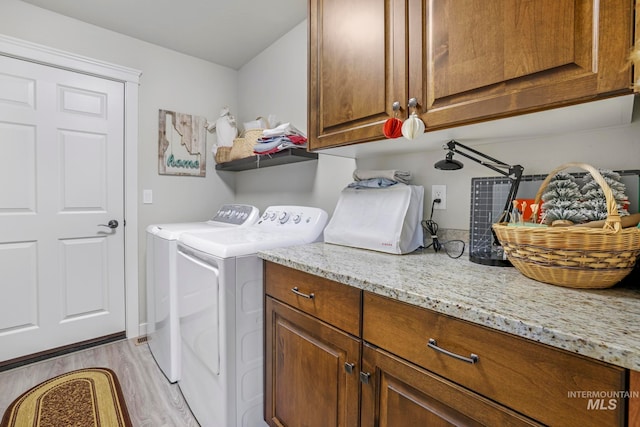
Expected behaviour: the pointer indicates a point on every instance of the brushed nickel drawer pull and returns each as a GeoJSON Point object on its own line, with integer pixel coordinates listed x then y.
{"type": "Point", "coordinates": [473, 358]}
{"type": "Point", "coordinates": [303, 295]}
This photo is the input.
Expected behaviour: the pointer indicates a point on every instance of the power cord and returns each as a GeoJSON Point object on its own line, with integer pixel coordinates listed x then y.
{"type": "Point", "coordinates": [431, 228]}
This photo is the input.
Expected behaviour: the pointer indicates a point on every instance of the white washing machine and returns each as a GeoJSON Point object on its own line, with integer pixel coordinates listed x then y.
{"type": "Point", "coordinates": [220, 294]}
{"type": "Point", "coordinates": [163, 333]}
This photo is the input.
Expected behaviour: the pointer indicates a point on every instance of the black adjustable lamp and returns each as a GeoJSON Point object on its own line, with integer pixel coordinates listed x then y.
{"type": "Point", "coordinates": [513, 172]}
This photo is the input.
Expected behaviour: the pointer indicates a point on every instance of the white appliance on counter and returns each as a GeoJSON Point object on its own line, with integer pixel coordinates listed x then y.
{"type": "Point", "coordinates": [163, 334]}
{"type": "Point", "coordinates": [221, 313]}
{"type": "Point", "coordinates": [381, 219]}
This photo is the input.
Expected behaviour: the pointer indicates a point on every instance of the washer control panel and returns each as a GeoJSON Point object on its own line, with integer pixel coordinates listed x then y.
{"type": "Point", "coordinates": [236, 214]}
{"type": "Point", "coordinates": [293, 218]}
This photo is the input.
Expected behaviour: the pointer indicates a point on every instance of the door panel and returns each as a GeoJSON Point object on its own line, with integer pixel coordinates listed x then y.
{"type": "Point", "coordinates": [83, 182]}
{"type": "Point", "coordinates": [357, 69]}
{"type": "Point", "coordinates": [62, 139]}
{"type": "Point", "coordinates": [485, 59]}
{"type": "Point", "coordinates": [85, 289]}
{"type": "Point", "coordinates": [19, 279]}
{"type": "Point", "coordinates": [306, 383]}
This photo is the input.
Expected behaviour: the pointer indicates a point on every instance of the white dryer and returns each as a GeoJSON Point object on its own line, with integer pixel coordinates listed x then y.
{"type": "Point", "coordinates": [220, 294]}
{"type": "Point", "coordinates": [163, 333]}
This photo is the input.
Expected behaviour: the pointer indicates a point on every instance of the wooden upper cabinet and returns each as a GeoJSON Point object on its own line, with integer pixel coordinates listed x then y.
{"type": "Point", "coordinates": [492, 58]}
{"type": "Point", "coordinates": [357, 69]}
{"type": "Point", "coordinates": [636, 65]}
{"type": "Point", "coordinates": [464, 60]}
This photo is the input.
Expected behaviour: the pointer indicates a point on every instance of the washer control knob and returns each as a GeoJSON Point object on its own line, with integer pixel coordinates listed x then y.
{"type": "Point", "coordinates": [297, 218]}
{"type": "Point", "coordinates": [284, 216]}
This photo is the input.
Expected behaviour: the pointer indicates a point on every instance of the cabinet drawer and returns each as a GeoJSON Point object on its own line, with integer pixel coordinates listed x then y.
{"type": "Point", "coordinates": [552, 386]}
{"type": "Point", "coordinates": [401, 394]}
{"type": "Point", "coordinates": [332, 302]}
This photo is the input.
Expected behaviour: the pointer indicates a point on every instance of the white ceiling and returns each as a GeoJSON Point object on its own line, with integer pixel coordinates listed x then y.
{"type": "Point", "coordinates": [227, 32]}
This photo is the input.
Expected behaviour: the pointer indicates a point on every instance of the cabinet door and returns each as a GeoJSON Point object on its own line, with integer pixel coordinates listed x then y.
{"type": "Point", "coordinates": [401, 394]}
{"type": "Point", "coordinates": [475, 60]}
{"type": "Point", "coordinates": [357, 69]}
{"type": "Point", "coordinates": [306, 380]}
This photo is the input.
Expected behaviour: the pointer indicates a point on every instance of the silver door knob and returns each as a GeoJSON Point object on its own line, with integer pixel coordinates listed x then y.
{"type": "Point", "coordinates": [112, 224]}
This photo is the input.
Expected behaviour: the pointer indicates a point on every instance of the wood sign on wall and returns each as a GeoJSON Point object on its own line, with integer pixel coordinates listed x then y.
{"type": "Point", "coordinates": [182, 144]}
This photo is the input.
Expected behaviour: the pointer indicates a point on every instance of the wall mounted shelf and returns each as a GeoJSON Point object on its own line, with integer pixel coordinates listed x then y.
{"type": "Point", "coordinates": [290, 155]}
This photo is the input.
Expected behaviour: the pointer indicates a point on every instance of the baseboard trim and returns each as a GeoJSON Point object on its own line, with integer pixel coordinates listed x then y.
{"type": "Point", "coordinates": [59, 351]}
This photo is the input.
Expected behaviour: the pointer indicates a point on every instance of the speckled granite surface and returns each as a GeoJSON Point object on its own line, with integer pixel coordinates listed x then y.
{"type": "Point", "coordinates": [601, 324]}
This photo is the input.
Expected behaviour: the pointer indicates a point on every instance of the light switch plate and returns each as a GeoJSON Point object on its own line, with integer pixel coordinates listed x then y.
{"type": "Point", "coordinates": [147, 197]}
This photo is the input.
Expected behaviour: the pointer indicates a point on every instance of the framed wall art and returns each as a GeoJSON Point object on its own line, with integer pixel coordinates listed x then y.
{"type": "Point", "coordinates": [182, 144]}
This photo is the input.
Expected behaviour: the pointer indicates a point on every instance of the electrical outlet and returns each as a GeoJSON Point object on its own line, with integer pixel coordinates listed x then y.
{"type": "Point", "coordinates": [439, 192]}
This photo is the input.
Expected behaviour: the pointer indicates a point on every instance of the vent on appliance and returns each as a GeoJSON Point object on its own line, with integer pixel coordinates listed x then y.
{"type": "Point", "coordinates": [142, 340]}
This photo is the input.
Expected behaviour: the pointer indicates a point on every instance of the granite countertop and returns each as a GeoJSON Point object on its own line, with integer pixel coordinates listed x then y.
{"type": "Point", "coordinates": [601, 324]}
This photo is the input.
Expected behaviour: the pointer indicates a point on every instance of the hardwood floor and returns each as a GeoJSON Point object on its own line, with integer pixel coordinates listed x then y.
{"type": "Point", "coordinates": [151, 400]}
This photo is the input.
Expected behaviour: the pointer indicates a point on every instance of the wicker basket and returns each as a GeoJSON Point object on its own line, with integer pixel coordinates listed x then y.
{"type": "Point", "coordinates": [574, 257]}
{"type": "Point", "coordinates": [223, 154]}
{"type": "Point", "coordinates": [243, 147]}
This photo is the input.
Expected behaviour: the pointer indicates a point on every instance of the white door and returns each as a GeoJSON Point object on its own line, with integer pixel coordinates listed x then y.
{"type": "Point", "coordinates": [61, 176]}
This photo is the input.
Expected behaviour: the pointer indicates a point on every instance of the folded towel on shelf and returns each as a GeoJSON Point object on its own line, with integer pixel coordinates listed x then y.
{"type": "Point", "coordinates": [373, 183]}
{"type": "Point", "coordinates": [392, 174]}
{"type": "Point", "coordinates": [283, 129]}
{"type": "Point", "coordinates": [274, 144]}
{"type": "Point", "coordinates": [279, 138]}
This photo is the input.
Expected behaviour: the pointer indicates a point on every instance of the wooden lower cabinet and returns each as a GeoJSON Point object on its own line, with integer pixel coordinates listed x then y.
{"type": "Point", "coordinates": [634, 399]}
{"type": "Point", "coordinates": [399, 393]}
{"type": "Point", "coordinates": [339, 356]}
{"type": "Point", "coordinates": [311, 371]}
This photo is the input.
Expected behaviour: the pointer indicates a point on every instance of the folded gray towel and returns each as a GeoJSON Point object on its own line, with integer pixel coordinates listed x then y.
{"type": "Point", "coordinates": [373, 183]}
{"type": "Point", "coordinates": [392, 174]}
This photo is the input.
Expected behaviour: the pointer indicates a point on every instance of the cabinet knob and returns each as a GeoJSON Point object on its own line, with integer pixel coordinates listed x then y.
{"type": "Point", "coordinates": [348, 367]}
{"type": "Point", "coordinates": [364, 377]}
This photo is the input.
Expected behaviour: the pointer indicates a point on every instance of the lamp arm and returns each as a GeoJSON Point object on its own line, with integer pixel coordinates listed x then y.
{"type": "Point", "coordinates": [451, 145]}
{"type": "Point", "coordinates": [516, 171]}
{"type": "Point", "coordinates": [483, 163]}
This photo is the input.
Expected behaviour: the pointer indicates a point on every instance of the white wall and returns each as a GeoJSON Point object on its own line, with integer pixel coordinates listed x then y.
{"type": "Point", "coordinates": [275, 82]}
{"type": "Point", "coordinates": [608, 148]}
{"type": "Point", "coordinates": [169, 81]}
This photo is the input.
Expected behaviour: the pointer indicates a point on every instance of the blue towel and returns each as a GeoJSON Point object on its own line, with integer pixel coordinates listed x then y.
{"type": "Point", "coordinates": [373, 183]}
